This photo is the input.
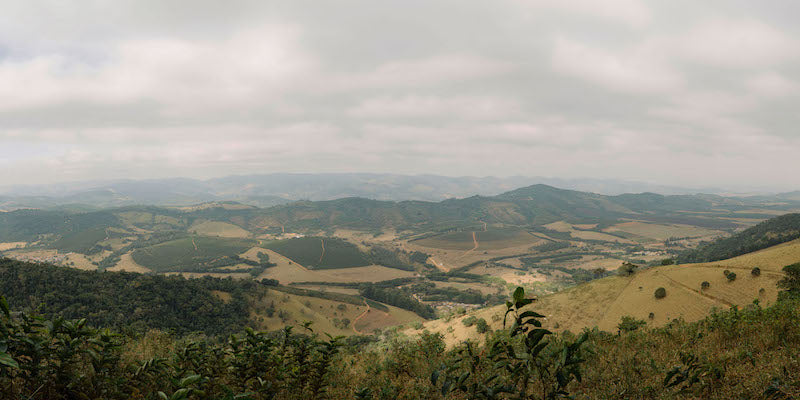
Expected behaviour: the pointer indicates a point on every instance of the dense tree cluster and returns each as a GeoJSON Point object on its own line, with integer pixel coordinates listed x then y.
{"type": "Point", "coordinates": [126, 300]}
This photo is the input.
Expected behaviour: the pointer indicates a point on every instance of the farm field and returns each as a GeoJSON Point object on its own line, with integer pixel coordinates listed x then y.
{"type": "Point", "coordinates": [492, 239]}
{"type": "Point", "coordinates": [320, 252]}
{"type": "Point", "coordinates": [189, 253]}
{"type": "Point", "coordinates": [329, 288]}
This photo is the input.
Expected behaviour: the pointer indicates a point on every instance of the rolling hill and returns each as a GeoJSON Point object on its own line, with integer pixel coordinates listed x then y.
{"type": "Point", "coordinates": [602, 303]}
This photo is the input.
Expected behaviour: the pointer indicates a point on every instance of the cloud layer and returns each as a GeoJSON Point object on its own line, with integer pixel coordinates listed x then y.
{"type": "Point", "coordinates": [680, 92]}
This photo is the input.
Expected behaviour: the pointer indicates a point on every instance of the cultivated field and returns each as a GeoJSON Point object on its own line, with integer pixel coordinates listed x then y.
{"type": "Point", "coordinates": [320, 252]}
{"type": "Point", "coordinates": [662, 232]}
{"type": "Point", "coordinates": [189, 252]}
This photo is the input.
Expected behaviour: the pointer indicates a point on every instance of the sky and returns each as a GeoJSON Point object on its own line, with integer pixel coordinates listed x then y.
{"type": "Point", "coordinates": [691, 93]}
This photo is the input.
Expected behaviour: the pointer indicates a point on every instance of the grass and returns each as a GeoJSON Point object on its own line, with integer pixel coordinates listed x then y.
{"type": "Point", "coordinates": [603, 302]}
{"type": "Point", "coordinates": [189, 253]}
{"type": "Point", "coordinates": [221, 229]}
{"type": "Point", "coordinates": [320, 252]}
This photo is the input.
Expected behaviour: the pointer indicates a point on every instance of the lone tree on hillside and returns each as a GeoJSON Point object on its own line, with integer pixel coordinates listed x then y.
{"type": "Point", "coordinates": [790, 282]}
{"type": "Point", "coordinates": [755, 271]}
{"type": "Point", "coordinates": [628, 269]}
{"type": "Point", "coordinates": [705, 285]}
{"type": "Point", "coordinates": [661, 293]}
{"type": "Point", "coordinates": [731, 276]}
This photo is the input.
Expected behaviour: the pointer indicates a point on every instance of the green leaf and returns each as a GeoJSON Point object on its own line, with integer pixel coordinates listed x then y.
{"type": "Point", "coordinates": [519, 294]}
{"type": "Point", "coordinates": [5, 359]}
{"type": "Point", "coordinates": [189, 380]}
{"type": "Point", "coordinates": [531, 314]}
{"type": "Point", "coordinates": [163, 395]}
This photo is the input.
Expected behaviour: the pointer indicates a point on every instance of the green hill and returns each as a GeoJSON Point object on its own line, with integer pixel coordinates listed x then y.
{"type": "Point", "coordinates": [766, 234]}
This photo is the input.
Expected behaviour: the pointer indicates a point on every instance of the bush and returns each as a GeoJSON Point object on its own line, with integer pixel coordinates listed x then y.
{"type": "Point", "coordinates": [755, 271]}
{"type": "Point", "coordinates": [705, 285]}
{"type": "Point", "coordinates": [661, 293]}
{"type": "Point", "coordinates": [667, 261]}
{"type": "Point", "coordinates": [630, 324]}
{"type": "Point", "coordinates": [651, 316]}
{"type": "Point", "coordinates": [731, 276]}
{"type": "Point", "coordinates": [469, 321]}
{"type": "Point", "coordinates": [482, 326]}
{"type": "Point", "coordinates": [627, 269]}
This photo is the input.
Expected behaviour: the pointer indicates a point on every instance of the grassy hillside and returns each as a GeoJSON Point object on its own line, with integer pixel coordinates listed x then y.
{"type": "Point", "coordinates": [602, 303]}
{"type": "Point", "coordinates": [768, 233]}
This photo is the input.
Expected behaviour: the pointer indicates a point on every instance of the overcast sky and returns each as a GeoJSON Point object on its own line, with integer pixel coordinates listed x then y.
{"type": "Point", "coordinates": [691, 92]}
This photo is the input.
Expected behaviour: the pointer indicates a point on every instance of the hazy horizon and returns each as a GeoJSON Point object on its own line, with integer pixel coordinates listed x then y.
{"type": "Point", "coordinates": [682, 93]}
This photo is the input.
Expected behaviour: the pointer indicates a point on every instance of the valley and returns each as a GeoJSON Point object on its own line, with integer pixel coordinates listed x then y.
{"type": "Point", "coordinates": [432, 259]}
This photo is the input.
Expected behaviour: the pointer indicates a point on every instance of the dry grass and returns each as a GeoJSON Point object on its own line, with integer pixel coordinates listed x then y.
{"type": "Point", "coordinates": [126, 263]}
{"type": "Point", "coordinates": [220, 229]}
{"type": "Point", "coordinates": [602, 303]}
{"type": "Point", "coordinates": [662, 232]}
{"type": "Point", "coordinates": [286, 271]}
{"type": "Point", "coordinates": [12, 245]}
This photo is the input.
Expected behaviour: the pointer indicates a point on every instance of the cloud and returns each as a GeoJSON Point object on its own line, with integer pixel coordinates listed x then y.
{"type": "Point", "coordinates": [630, 70]}
{"type": "Point", "coordinates": [624, 89]}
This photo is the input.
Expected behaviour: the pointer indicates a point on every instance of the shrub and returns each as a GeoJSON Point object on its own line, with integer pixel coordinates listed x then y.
{"type": "Point", "coordinates": [731, 276]}
{"type": "Point", "coordinates": [705, 285]}
{"type": "Point", "coordinates": [755, 271]}
{"type": "Point", "coordinates": [651, 316]}
{"type": "Point", "coordinates": [418, 325]}
{"type": "Point", "coordinates": [726, 272]}
{"type": "Point", "coordinates": [627, 269]}
{"type": "Point", "coordinates": [482, 326]}
{"type": "Point", "coordinates": [630, 324]}
{"type": "Point", "coordinates": [661, 293]}
{"type": "Point", "coordinates": [469, 321]}
{"type": "Point", "coordinates": [667, 261]}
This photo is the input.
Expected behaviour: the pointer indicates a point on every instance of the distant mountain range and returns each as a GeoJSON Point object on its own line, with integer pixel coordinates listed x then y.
{"type": "Point", "coordinates": [274, 189]}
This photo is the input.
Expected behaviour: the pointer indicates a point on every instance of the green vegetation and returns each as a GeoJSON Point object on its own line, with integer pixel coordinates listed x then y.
{"type": "Point", "coordinates": [627, 269]}
{"type": "Point", "coordinates": [766, 234]}
{"type": "Point", "coordinates": [790, 283]}
{"type": "Point", "coordinates": [192, 254]}
{"type": "Point", "coordinates": [756, 272]}
{"type": "Point", "coordinates": [660, 293]}
{"type": "Point", "coordinates": [396, 297]}
{"type": "Point", "coordinates": [126, 300]}
{"type": "Point", "coordinates": [630, 324]}
{"type": "Point", "coordinates": [705, 285]}
{"type": "Point", "coordinates": [739, 353]}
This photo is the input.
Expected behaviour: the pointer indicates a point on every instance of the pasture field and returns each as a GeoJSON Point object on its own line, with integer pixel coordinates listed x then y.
{"type": "Point", "coordinates": [126, 263]}
{"type": "Point", "coordinates": [79, 261]}
{"type": "Point", "coordinates": [221, 229]}
{"type": "Point", "coordinates": [327, 288]}
{"type": "Point", "coordinates": [12, 245]}
{"type": "Point", "coordinates": [481, 287]}
{"type": "Point", "coordinates": [189, 253]}
{"type": "Point", "coordinates": [287, 272]}
{"type": "Point", "coordinates": [327, 316]}
{"type": "Point", "coordinates": [662, 232]}
{"type": "Point", "coordinates": [320, 252]}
